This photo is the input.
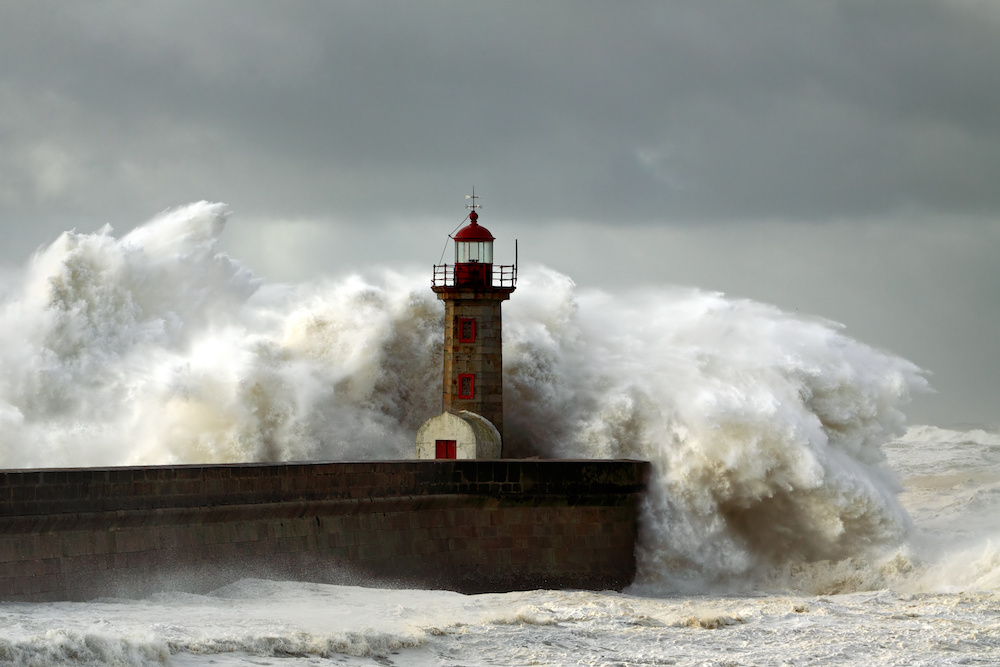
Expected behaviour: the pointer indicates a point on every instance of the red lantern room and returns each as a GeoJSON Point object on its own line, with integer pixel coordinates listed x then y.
{"type": "Point", "coordinates": [473, 255]}
{"type": "Point", "coordinates": [473, 243]}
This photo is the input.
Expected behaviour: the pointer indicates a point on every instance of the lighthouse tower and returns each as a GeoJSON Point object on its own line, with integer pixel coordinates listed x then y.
{"type": "Point", "coordinates": [471, 423]}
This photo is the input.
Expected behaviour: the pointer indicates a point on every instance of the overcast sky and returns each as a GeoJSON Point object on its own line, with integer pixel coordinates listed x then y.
{"type": "Point", "coordinates": [839, 158]}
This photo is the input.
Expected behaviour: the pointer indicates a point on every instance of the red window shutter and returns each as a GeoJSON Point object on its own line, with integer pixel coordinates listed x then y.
{"type": "Point", "coordinates": [445, 449]}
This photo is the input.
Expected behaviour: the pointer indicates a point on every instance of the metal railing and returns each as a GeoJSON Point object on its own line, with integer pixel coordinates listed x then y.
{"type": "Point", "coordinates": [504, 275]}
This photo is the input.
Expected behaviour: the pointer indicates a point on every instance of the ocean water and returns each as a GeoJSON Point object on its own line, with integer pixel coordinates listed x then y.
{"type": "Point", "coordinates": [793, 518]}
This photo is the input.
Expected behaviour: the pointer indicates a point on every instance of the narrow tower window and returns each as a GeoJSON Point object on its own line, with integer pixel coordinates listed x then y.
{"type": "Point", "coordinates": [466, 385]}
{"type": "Point", "coordinates": [466, 330]}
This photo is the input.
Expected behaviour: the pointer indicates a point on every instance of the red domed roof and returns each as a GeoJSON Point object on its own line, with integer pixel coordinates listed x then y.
{"type": "Point", "coordinates": [473, 231]}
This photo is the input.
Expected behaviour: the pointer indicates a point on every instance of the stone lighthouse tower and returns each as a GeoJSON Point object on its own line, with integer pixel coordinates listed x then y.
{"type": "Point", "coordinates": [472, 399]}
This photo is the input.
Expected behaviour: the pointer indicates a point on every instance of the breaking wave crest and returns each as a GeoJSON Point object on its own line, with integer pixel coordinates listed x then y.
{"type": "Point", "coordinates": [764, 428]}
{"type": "Point", "coordinates": [61, 647]}
{"type": "Point", "coordinates": [156, 348]}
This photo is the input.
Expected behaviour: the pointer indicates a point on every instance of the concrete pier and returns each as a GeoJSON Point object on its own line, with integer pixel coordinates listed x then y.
{"type": "Point", "coordinates": [464, 525]}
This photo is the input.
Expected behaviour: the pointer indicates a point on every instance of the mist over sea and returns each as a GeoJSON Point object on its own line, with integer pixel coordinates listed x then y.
{"type": "Point", "coordinates": [793, 517]}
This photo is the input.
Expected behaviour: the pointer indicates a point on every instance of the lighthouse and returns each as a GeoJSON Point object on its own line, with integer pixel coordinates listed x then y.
{"type": "Point", "coordinates": [473, 288]}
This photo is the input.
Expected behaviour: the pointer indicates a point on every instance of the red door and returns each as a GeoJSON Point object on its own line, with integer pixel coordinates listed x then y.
{"type": "Point", "coordinates": [445, 449]}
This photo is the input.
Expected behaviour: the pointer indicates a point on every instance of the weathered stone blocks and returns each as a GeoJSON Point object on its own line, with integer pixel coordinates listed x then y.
{"type": "Point", "coordinates": [465, 525]}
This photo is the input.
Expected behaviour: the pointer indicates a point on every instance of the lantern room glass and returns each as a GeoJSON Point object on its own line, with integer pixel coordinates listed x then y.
{"type": "Point", "coordinates": [468, 252]}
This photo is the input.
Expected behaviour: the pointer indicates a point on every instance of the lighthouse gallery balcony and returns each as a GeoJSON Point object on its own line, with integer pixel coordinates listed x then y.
{"type": "Point", "coordinates": [504, 276]}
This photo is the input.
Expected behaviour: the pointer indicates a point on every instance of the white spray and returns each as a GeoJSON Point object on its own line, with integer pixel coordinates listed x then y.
{"type": "Point", "coordinates": [764, 429]}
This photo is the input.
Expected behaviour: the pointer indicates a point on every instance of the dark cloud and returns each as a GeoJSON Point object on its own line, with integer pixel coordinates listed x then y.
{"type": "Point", "coordinates": [696, 110]}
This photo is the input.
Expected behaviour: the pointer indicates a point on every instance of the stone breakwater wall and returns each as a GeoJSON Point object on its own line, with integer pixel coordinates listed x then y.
{"type": "Point", "coordinates": [465, 525]}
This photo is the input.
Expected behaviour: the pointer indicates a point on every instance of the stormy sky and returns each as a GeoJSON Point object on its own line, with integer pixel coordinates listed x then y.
{"type": "Point", "coordinates": [833, 157]}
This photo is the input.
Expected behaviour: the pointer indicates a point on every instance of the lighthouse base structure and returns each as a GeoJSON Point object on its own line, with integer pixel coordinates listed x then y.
{"type": "Point", "coordinates": [464, 525]}
{"type": "Point", "coordinates": [458, 435]}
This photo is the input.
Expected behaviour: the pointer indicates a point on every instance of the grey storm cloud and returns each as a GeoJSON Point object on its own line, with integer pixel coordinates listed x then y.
{"type": "Point", "coordinates": [692, 110]}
